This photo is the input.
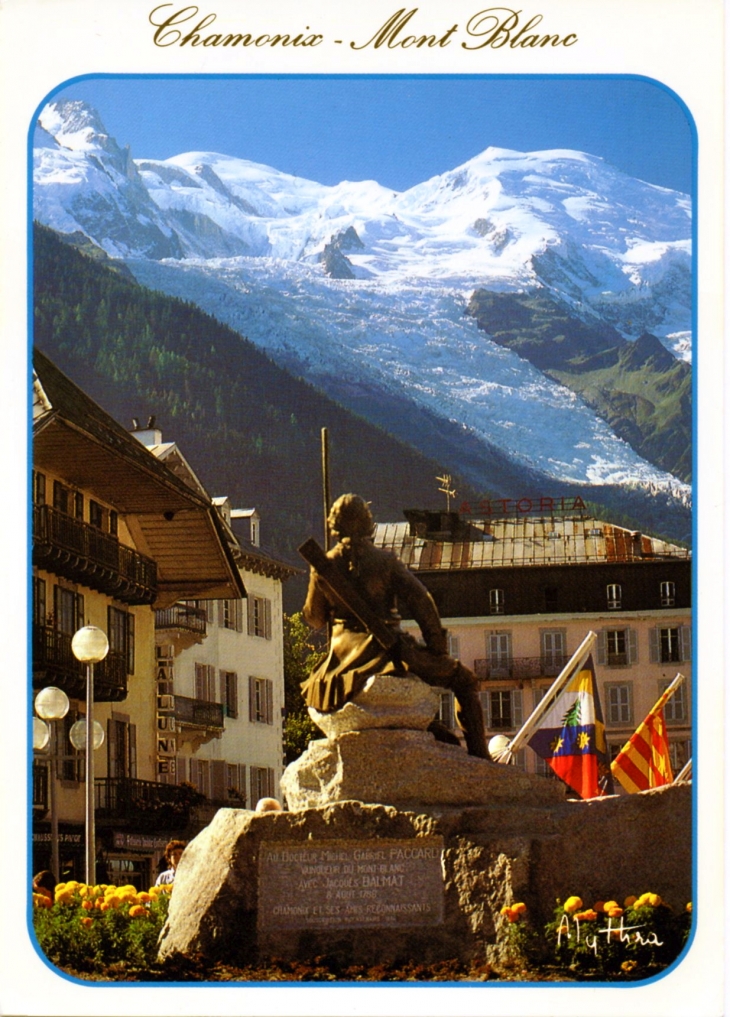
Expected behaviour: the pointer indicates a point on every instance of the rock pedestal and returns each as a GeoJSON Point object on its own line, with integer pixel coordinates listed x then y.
{"type": "Point", "coordinates": [397, 847]}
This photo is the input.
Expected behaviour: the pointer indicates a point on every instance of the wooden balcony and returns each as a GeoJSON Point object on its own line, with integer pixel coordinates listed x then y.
{"type": "Point", "coordinates": [181, 624]}
{"type": "Point", "coordinates": [55, 664]}
{"type": "Point", "coordinates": [520, 668]}
{"type": "Point", "coordinates": [84, 554]}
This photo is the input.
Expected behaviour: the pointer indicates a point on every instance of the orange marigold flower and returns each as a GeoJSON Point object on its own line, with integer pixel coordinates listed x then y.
{"type": "Point", "coordinates": [137, 911]}
{"type": "Point", "coordinates": [599, 905]}
{"type": "Point", "coordinates": [586, 916]}
{"type": "Point", "coordinates": [688, 906]}
{"type": "Point", "coordinates": [143, 896]}
{"type": "Point", "coordinates": [630, 901]}
{"type": "Point", "coordinates": [655, 900]}
{"type": "Point", "coordinates": [614, 912]}
{"type": "Point", "coordinates": [87, 921]}
{"type": "Point", "coordinates": [628, 965]}
{"type": "Point", "coordinates": [519, 908]}
{"type": "Point", "coordinates": [610, 904]}
{"type": "Point", "coordinates": [572, 904]}
{"type": "Point", "coordinates": [87, 905]}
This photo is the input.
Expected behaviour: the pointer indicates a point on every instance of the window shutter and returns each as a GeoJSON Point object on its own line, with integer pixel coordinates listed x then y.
{"type": "Point", "coordinates": [111, 752]}
{"type": "Point", "coordinates": [632, 647]}
{"type": "Point", "coordinates": [181, 768]}
{"type": "Point", "coordinates": [517, 708]}
{"type": "Point", "coordinates": [601, 647]}
{"type": "Point", "coordinates": [253, 792]}
{"type": "Point", "coordinates": [218, 780]}
{"type": "Point", "coordinates": [267, 618]}
{"type": "Point", "coordinates": [454, 646]}
{"type": "Point", "coordinates": [132, 750]}
{"type": "Point", "coordinates": [238, 607]}
{"type": "Point", "coordinates": [685, 642]}
{"type": "Point", "coordinates": [272, 789]}
{"type": "Point", "coordinates": [251, 698]}
{"type": "Point", "coordinates": [220, 614]}
{"type": "Point", "coordinates": [249, 616]}
{"type": "Point", "coordinates": [654, 645]}
{"type": "Point", "coordinates": [269, 702]}
{"type": "Point", "coordinates": [130, 643]}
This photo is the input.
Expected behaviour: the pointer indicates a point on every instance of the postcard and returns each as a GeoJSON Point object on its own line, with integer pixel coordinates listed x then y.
{"type": "Point", "coordinates": [439, 288]}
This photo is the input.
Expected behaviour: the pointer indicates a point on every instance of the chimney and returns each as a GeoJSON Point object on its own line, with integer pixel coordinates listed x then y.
{"type": "Point", "coordinates": [149, 434]}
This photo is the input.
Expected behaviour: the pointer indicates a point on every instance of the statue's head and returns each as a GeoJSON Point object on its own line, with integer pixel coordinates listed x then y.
{"type": "Point", "coordinates": [350, 516]}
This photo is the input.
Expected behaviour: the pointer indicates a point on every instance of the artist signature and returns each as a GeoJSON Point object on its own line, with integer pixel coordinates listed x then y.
{"type": "Point", "coordinates": [622, 933]}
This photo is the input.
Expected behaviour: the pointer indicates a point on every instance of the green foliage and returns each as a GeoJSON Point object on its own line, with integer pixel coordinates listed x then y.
{"type": "Point", "coordinates": [304, 650]}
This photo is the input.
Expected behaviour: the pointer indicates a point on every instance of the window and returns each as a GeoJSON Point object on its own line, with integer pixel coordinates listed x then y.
{"type": "Point", "coordinates": [502, 709]}
{"type": "Point", "coordinates": [259, 617]}
{"type": "Point", "coordinates": [613, 596]}
{"type": "Point", "coordinates": [68, 607]}
{"type": "Point", "coordinates": [262, 783]}
{"type": "Point", "coordinates": [39, 488]}
{"type": "Point", "coordinates": [229, 692]}
{"type": "Point", "coordinates": [499, 654]}
{"type": "Point", "coordinates": [39, 601]}
{"type": "Point", "coordinates": [680, 753]}
{"type": "Point", "coordinates": [71, 761]}
{"type": "Point", "coordinates": [120, 628]}
{"type": "Point", "coordinates": [617, 647]}
{"type": "Point", "coordinates": [619, 703]}
{"type": "Point", "coordinates": [205, 683]}
{"type": "Point", "coordinates": [229, 615]}
{"type": "Point", "coordinates": [452, 646]}
{"type": "Point", "coordinates": [496, 601]}
{"type": "Point", "coordinates": [551, 598]}
{"type": "Point", "coordinates": [113, 523]}
{"type": "Point", "coordinates": [236, 784]}
{"type": "Point", "coordinates": [675, 708]}
{"type": "Point", "coordinates": [61, 498]}
{"type": "Point", "coordinates": [121, 747]}
{"type": "Point", "coordinates": [200, 775]}
{"type": "Point", "coordinates": [670, 644]}
{"type": "Point", "coordinates": [446, 710]}
{"type": "Point", "coordinates": [260, 700]}
{"type": "Point", "coordinates": [96, 515]}
{"type": "Point", "coordinates": [666, 594]}
{"type": "Point", "coordinates": [552, 650]}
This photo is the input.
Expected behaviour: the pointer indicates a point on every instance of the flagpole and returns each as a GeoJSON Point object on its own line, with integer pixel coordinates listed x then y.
{"type": "Point", "coordinates": [575, 663]}
{"type": "Point", "coordinates": [683, 773]}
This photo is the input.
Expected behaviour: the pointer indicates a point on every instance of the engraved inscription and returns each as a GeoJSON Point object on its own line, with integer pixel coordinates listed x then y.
{"type": "Point", "coordinates": [350, 884]}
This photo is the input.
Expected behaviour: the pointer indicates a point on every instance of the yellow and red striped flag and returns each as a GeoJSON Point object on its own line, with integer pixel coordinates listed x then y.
{"type": "Point", "coordinates": [643, 762]}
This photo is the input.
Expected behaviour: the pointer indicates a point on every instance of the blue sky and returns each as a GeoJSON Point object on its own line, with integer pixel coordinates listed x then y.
{"type": "Point", "coordinates": [396, 130]}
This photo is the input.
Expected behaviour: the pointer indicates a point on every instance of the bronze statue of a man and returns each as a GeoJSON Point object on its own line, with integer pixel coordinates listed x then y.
{"type": "Point", "coordinates": [383, 582]}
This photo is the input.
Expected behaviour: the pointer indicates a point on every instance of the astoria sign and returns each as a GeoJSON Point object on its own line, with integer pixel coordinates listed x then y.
{"type": "Point", "coordinates": [542, 505]}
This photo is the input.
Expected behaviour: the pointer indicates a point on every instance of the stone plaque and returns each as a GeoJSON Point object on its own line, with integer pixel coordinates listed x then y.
{"type": "Point", "coordinates": [350, 884]}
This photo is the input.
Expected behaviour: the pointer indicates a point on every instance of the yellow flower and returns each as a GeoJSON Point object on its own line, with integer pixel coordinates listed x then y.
{"type": "Point", "coordinates": [628, 965]}
{"type": "Point", "coordinates": [143, 897]}
{"type": "Point", "coordinates": [614, 912]}
{"type": "Point", "coordinates": [586, 916]}
{"type": "Point", "coordinates": [138, 911]}
{"type": "Point", "coordinates": [572, 904]}
{"type": "Point", "coordinates": [655, 900]}
{"type": "Point", "coordinates": [688, 906]}
{"type": "Point", "coordinates": [630, 901]}
{"type": "Point", "coordinates": [610, 904]}
{"type": "Point", "coordinates": [519, 908]}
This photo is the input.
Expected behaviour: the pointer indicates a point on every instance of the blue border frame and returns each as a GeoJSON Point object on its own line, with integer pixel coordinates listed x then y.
{"type": "Point", "coordinates": [29, 493]}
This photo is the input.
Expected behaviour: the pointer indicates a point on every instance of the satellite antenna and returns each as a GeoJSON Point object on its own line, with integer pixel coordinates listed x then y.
{"type": "Point", "coordinates": [447, 489]}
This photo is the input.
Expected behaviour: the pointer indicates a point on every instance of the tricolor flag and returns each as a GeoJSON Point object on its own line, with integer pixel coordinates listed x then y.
{"type": "Point", "coordinates": [644, 762]}
{"type": "Point", "coordinates": [572, 736]}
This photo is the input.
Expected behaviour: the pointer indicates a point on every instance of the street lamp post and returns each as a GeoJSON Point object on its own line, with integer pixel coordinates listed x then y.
{"type": "Point", "coordinates": [90, 645]}
{"type": "Point", "coordinates": [51, 704]}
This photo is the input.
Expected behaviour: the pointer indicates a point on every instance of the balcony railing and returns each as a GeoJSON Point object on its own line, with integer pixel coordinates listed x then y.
{"type": "Point", "coordinates": [146, 803]}
{"type": "Point", "coordinates": [84, 554]}
{"type": "Point", "coordinates": [55, 664]}
{"type": "Point", "coordinates": [520, 668]}
{"type": "Point", "coordinates": [182, 616]}
{"type": "Point", "coordinates": [198, 712]}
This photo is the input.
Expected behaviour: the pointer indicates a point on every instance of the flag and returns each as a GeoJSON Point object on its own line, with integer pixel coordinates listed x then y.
{"type": "Point", "coordinates": [644, 762]}
{"type": "Point", "coordinates": [572, 736]}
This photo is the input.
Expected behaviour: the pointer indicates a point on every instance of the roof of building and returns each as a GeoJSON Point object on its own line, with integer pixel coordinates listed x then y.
{"type": "Point", "coordinates": [518, 541]}
{"type": "Point", "coordinates": [170, 521]}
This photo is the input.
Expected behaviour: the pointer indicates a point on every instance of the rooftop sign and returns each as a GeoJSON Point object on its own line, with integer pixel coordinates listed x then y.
{"type": "Point", "coordinates": [538, 506]}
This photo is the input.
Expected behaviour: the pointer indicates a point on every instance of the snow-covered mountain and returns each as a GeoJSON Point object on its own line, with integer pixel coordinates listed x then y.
{"type": "Point", "coordinates": [363, 290]}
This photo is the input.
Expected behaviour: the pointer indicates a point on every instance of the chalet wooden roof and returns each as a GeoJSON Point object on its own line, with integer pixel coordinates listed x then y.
{"type": "Point", "coordinates": [523, 541]}
{"type": "Point", "coordinates": [171, 522]}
